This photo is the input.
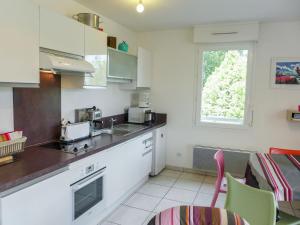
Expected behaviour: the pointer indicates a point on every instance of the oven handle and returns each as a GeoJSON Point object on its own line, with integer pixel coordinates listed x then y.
{"type": "Point", "coordinates": [88, 180]}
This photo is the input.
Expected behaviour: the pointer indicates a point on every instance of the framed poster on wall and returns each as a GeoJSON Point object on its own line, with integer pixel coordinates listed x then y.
{"type": "Point", "coordinates": [285, 73]}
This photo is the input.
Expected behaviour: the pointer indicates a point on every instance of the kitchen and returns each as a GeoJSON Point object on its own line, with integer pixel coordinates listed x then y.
{"type": "Point", "coordinates": [71, 177]}
{"type": "Point", "coordinates": [99, 120]}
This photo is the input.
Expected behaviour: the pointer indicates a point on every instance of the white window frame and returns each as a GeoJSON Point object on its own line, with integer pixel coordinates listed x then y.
{"type": "Point", "coordinates": [248, 114]}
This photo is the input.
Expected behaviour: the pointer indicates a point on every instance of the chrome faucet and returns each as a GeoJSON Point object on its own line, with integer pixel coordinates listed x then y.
{"type": "Point", "coordinates": [112, 120]}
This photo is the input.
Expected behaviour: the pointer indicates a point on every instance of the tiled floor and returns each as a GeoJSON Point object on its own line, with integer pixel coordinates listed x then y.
{"type": "Point", "coordinates": [171, 188]}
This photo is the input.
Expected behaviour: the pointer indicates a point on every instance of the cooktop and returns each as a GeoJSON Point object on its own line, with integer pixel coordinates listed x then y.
{"type": "Point", "coordinates": [76, 147]}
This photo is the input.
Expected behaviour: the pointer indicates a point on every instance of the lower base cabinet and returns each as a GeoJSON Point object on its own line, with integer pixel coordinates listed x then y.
{"type": "Point", "coordinates": [44, 203]}
{"type": "Point", "coordinates": [49, 202]}
{"type": "Point", "coordinates": [127, 166]}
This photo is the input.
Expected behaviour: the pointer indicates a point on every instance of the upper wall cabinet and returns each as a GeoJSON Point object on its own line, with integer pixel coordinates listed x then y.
{"type": "Point", "coordinates": [121, 66]}
{"type": "Point", "coordinates": [95, 51]}
{"type": "Point", "coordinates": [61, 33]}
{"type": "Point", "coordinates": [144, 75]}
{"type": "Point", "coordinates": [96, 54]}
{"type": "Point", "coordinates": [19, 43]}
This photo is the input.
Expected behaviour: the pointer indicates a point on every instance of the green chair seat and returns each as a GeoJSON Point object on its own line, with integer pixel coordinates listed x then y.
{"type": "Point", "coordinates": [257, 206]}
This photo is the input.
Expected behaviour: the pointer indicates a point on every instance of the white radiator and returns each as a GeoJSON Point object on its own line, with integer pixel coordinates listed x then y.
{"type": "Point", "coordinates": [235, 160]}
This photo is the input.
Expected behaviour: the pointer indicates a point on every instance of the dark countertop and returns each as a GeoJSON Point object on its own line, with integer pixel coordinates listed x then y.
{"type": "Point", "coordinates": [38, 161]}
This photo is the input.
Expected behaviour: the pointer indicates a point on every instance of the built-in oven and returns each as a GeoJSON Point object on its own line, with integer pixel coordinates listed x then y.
{"type": "Point", "coordinates": [88, 194]}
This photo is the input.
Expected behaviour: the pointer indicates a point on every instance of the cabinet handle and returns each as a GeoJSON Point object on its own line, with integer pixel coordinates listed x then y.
{"type": "Point", "coordinates": [146, 153]}
{"type": "Point", "coordinates": [148, 140]}
{"type": "Point", "coordinates": [162, 135]}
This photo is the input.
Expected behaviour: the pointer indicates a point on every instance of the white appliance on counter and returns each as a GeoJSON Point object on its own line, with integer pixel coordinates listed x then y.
{"type": "Point", "coordinates": [159, 150]}
{"type": "Point", "coordinates": [137, 114]}
{"type": "Point", "coordinates": [75, 131]}
{"type": "Point", "coordinates": [144, 99]}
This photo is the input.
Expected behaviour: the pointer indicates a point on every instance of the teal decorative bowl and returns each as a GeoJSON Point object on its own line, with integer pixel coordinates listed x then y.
{"type": "Point", "coordinates": [123, 46]}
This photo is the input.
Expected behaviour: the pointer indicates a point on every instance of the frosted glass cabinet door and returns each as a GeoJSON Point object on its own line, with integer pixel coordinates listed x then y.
{"type": "Point", "coordinates": [121, 65]}
{"type": "Point", "coordinates": [19, 42]}
{"type": "Point", "coordinates": [96, 54]}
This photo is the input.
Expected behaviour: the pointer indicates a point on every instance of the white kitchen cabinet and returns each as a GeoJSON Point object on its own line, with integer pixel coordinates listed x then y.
{"type": "Point", "coordinates": [96, 54]}
{"type": "Point", "coordinates": [144, 74]}
{"type": "Point", "coordinates": [160, 150]}
{"type": "Point", "coordinates": [61, 33]}
{"type": "Point", "coordinates": [121, 66]}
{"type": "Point", "coordinates": [19, 42]}
{"type": "Point", "coordinates": [45, 203]}
{"type": "Point", "coordinates": [95, 51]}
{"type": "Point", "coordinates": [127, 167]}
{"type": "Point", "coordinates": [144, 71]}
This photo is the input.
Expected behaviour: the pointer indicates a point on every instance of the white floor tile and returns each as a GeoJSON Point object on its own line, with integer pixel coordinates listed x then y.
{"type": "Point", "coordinates": [192, 176]}
{"type": "Point", "coordinates": [188, 184]}
{"type": "Point", "coordinates": [166, 204]}
{"type": "Point", "coordinates": [203, 200]}
{"type": "Point", "coordinates": [181, 195]}
{"type": "Point", "coordinates": [163, 180]}
{"type": "Point", "coordinates": [125, 215]}
{"type": "Point", "coordinates": [221, 200]}
{"type": "Point", "coordinates": [142, 201]}
{"type": "Point", "coordinates": [171, 173]}
{"type": "Point", "coordinates": [154, 190]}
{"type": "Point", "coordinates": [149, 218]}
{"type": "Point", "coordinates": [207, 188]}
{"type": "Point", "coordinates": [210, 179]}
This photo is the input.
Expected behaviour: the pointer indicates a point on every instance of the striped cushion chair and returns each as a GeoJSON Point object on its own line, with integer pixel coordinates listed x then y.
{"type": "Point", "coordinates": [196, 215]}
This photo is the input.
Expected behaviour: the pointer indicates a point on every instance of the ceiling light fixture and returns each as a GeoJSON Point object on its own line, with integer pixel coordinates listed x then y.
{"type": "Point", "coordinates": [140, 7]}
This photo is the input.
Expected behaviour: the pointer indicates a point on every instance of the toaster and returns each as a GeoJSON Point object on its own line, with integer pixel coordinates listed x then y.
{"type": "Point", "coordinates": [75, 131]}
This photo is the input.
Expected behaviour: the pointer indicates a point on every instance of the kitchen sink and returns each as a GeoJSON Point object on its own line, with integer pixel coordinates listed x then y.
{"type": "Point", "coordinates": [115, 132]}
{"type": "Point", "coordinates": [124, 129]}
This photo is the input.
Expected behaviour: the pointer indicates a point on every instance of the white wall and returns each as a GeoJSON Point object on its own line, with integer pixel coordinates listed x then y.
{"type": "Point", "coordinates": [111, 100]}
{"type": "Point", "coordinates": [174, 92]}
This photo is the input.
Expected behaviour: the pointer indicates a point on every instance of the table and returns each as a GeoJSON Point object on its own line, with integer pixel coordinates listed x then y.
{"type": "Point", "coordinates": [196, 215]}
{"type": "Point", "coordinates": [277, 173]}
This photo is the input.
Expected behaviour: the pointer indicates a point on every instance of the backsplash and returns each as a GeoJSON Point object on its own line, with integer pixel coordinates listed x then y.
{"type": "Point", "coordinates": [37, 111]}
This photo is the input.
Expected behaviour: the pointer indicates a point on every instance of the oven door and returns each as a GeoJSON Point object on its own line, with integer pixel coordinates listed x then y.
{"type": "Point", "coordinates": [88, 193]}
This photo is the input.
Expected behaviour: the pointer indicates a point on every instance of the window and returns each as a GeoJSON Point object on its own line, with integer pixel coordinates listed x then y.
{"type": "Point", "coordinates": [223, 96]}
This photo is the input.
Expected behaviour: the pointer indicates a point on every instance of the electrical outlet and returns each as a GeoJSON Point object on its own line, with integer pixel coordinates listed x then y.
{"type": "Point", "coordinates": [178, 154]}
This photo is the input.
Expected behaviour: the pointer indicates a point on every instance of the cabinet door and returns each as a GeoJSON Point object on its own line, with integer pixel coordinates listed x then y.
{"type": "Point", "coordinates": [160, 149]}
{"type": "Point", "coordinates": [61, 33]}
{"type": "Point", "coordinates": [126, 167]}
{"type": "Point", "coordinates": [96, 54]}
{"type": "Point", "coordinates": [45, 203]}
{"type": "Point", "coordinates": [19, 42]}
{"type": "Point", "coordinates": [121, 65]}
{"type": "Point", "coordinates": [144, 75]}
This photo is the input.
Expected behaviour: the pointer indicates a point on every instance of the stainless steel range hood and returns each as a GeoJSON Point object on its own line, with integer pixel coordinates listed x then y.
{"type": "Point", "coordinates": [64, 63]}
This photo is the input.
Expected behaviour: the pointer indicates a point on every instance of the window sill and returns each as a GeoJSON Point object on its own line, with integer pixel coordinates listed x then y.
{"type": "Point", "coordinates": [223, 125]}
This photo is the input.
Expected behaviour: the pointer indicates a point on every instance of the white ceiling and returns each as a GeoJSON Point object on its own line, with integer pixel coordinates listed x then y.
{"type": "Point", "coordinates": [165, 14]}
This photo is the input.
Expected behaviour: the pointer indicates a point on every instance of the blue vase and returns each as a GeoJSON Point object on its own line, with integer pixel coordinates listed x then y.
{"type": "Point", "coordinates": [123, 46]}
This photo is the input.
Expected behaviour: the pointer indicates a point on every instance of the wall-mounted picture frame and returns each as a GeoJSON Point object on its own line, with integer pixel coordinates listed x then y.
{"type": "Point", "coordinates": [285, 73]}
